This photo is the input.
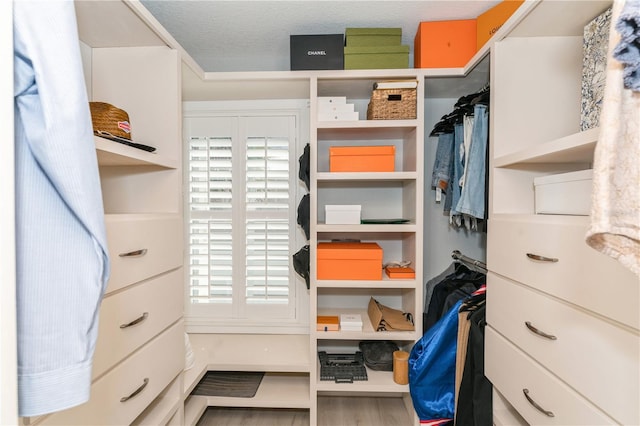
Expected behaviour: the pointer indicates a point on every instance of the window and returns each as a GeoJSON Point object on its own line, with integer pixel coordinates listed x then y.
{"type": "Point", "coordinates": [242, 194]}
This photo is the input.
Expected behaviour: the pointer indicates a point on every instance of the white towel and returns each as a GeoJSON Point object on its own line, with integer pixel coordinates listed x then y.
{"type": "Point", "coordinates": [615, 205]}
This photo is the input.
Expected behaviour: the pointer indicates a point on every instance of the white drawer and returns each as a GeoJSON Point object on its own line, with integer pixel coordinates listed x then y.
{"type": "Point", "coordinates": [130, 318]}
{"type": "Point", "coordinates": [581, 275]}
{"type": "Point", "coordinates": [106, 406]}
{"type": "Point", "coordinates": [511, 372]}
{"type": "Point", "coordinates": [141, 246]}
{"type": "Point", "coordinates": [592, 355]}
{"type": "Point", "coordinates": [165, 407]}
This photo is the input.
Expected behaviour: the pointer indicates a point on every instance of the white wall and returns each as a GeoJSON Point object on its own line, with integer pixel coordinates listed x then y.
{"type": "Point", "coordinates": [439, 238]}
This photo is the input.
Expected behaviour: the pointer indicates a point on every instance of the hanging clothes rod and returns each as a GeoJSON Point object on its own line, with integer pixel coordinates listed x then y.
{"type": "Point", "coordinates": [469, 261]}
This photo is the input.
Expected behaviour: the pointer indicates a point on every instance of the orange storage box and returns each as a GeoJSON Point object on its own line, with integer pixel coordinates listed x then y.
{"type": "Point", "coordinates": [491, 20]}
{"type": "Point", "coordinates": [445, 44]}
{"type": "Point", "coordinates": [362, 158]}
{"type": "Point", "coordinates": [349, 261]}
{"type": "Point", "coordinates": [400, 272]}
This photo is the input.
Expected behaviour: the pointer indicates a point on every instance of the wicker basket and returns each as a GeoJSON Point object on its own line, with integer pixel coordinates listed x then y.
{"type": "Point", "coordinates": [392, 104]}
{"type": "Point", "coordinates": [107, 118]}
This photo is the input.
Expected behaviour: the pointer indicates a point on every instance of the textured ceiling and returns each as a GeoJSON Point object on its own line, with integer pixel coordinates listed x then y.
{"type": "Point", "coordinates": [239, 35]}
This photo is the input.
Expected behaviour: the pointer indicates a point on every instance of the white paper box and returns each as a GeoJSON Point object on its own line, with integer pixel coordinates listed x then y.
{"type": "Point", "coordinates": [351, 321]}
{"type": "Point", "coordinates": [324, 108]}
{"type": "Point", "coordinates": [342, 214]}
{"type": "Point", "coordinates": [566, 193]}
{"type": "Point", "coordinates": [332, 100]}
{"type": "Point", "coordinates": [338, 116]}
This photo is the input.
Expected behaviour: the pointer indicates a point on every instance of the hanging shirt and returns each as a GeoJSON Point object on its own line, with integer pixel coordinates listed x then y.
{"type": "Point", "coordinates": [61, 254]}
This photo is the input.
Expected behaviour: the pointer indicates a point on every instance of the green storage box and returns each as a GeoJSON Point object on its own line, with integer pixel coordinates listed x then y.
{"type": "Point", "coordinates": [373, 37]}
{"type": "Point", "coordinates": [373, 58]}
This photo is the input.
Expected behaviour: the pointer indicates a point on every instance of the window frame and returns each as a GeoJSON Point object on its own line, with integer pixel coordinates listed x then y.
{"type": "Point", "coordinates": [199, 319]}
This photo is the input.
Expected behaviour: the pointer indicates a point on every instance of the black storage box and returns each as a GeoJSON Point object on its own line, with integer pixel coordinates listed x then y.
{"type": "Point", "coordinates": [317, 52]}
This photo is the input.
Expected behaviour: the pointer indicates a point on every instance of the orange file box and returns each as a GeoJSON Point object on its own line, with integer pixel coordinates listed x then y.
{"type": "Point", "coordinates": [328, 323]}
{"type": "Point", "coordinates": [445, 44]}
{"type": "Point", "coordinates": [349, 261]}
{"type": "Point", "coordinates": [362, 158]}
{"type": "Point", "coordinates": [491, 20]}
{"type": "Point", "coordinates": [400, 272]}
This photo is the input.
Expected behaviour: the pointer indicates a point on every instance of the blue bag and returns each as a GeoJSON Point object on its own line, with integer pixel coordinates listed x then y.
{"type": "Point", "coordinates": [432, 369]}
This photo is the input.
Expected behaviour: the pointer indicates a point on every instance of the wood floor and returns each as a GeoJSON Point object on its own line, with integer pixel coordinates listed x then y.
{"type": "Point", "coordinates": [333, 411]}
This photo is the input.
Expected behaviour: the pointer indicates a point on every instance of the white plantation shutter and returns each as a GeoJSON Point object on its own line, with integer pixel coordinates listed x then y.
{"type": "Point", "coordinates": [242, 205]}
{"type": "Point", "coordinates": [210, 232]}
{"type": "Point", "coordinates": [267, 264]}
{"type": "Point", "coordinates": [267, 226]}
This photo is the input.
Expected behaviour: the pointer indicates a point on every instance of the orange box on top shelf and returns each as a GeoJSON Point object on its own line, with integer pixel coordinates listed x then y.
{"type": "Point", "coordinates": [445, 44]}
{"type": "Point", "coordinates": [349, 261]}
{"type": "Point", "coordinates": [490, 21]}
{"type": "Point", "coordinates": [362, 158]}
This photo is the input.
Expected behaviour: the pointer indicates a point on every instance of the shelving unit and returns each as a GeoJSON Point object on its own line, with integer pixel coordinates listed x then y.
{"type": "Point", "coordinates": [395, 194]}
{"type": "Point", "coordinates": [538, 68]}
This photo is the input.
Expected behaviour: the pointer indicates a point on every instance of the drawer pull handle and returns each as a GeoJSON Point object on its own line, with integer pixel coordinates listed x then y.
{"type": "Point", "coordinates": [135, 392]}
{"type": "Point", "coordinates": [540, 333]}
{"type": "Point", "coordinates": [535, 404]}
{"type": "Point", "coordinates": [135, 321]}
{"type": "Point", "coordinates": [135, 253]}
{"type": "Point", "coordinates": [541, 258]}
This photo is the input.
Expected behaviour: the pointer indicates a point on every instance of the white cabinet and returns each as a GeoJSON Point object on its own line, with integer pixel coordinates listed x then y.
{"type": "Point", "coordinates": [396, 194]}
{"type": "Point", "coordinates": [562, 343]}
{"type": "Point", "coordinates": [140, 349]}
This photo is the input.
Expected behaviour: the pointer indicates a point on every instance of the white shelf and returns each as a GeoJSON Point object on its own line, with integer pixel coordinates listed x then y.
{"type": "Point", "coordinates": [548, 219]}
{"type": "Point", "coordinates": [367, 333]}
{"type": "Point", "coordinates": [368, 124]}
{"type": "Point", "coordinates": [112, 153]}
{"type": "Point", "coordinates": [556, 18]}
{"type": "Point", "coordinates": [576, 148]}
{"type": "Point", "coordinates": [277, 390]}
{"type": "Point", "coordinates": [377, 381]}
{"type": "Point", "coordinates": [96, 25]}
{"type": "Point", "coordinates": [362, 176]}
{"type": "Point", "coordinates": [399, 228]}
{"type": "Point", "coordinates": [385, 282]}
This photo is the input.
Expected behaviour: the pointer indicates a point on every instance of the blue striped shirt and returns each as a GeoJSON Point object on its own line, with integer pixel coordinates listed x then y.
{"type": "Point", "coordinates": [61, 251]}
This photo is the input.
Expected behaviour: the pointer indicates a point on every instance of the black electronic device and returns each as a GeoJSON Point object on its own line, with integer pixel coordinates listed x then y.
{"type": "Point", "coordinates": [343, 367]}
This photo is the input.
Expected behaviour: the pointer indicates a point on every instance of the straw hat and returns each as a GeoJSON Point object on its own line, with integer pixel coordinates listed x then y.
{"type": "Point", "coordinates": [107, 119]}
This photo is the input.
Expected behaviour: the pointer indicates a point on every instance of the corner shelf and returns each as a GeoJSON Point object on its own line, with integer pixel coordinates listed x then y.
{"type": "Point", "coordinates": [116, 154]}
{"type": "Point", "coordinates": [575, 148]}
{"type": "Point", "coordinates": [277, 390]}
